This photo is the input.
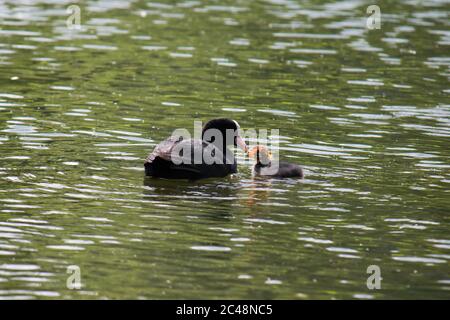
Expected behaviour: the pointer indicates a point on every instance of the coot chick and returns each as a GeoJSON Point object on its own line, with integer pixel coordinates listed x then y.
{"type": "Point", "coordinates": [178, 158]}
{"type": "Point", "coordinates": [265, 167]}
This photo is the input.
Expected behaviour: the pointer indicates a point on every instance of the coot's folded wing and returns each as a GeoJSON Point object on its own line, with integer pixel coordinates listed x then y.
{"type": "Point", "coordinates": [164, 149]}
{"type": "Point", "coordinates": [188, 151]}
{"type": "Point", "coordinates": [177, 150]}
{"type": "Point", "coordinates": [190, 160]}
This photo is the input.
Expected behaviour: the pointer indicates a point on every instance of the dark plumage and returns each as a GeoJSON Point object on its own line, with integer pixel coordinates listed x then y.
{"type": "Point", "coordinates": [166, 162]}
{"type": "Point", "coordinates": [265, 167]}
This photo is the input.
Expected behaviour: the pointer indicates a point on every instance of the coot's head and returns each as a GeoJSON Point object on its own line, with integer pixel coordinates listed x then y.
{"type": "Point", "coordinates": [229, 129]}
{"type": "Point", "coordinates": [261, 154]}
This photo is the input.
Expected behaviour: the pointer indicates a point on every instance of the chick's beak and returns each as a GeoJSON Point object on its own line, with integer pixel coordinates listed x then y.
{"type": "Point", "coordinates": [241, 144]}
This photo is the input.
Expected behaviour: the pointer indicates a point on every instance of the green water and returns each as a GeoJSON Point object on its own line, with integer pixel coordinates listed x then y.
{"type": "Point", "coordinates": [365, 112]}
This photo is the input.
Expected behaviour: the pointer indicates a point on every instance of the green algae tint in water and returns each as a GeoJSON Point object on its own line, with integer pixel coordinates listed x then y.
{"type": "Point", "coordinates": [365, 112]}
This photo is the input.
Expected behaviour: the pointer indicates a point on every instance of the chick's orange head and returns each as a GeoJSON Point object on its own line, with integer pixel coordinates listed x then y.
{"type": "Point", "coordinates": [259, 152]}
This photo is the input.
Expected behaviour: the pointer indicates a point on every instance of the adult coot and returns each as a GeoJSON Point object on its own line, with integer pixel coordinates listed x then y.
{"type": "Point", "coordinates": [180, 158]}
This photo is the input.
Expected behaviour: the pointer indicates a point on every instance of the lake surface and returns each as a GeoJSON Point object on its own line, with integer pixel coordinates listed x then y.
{"type": "Point", "coordinates": [365, 112]}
